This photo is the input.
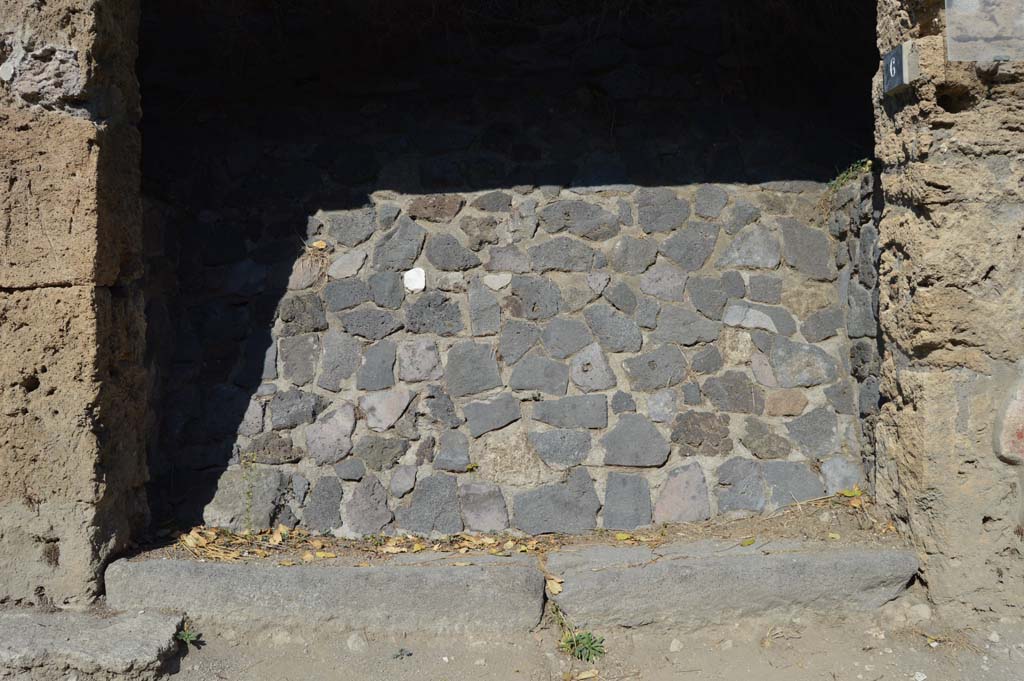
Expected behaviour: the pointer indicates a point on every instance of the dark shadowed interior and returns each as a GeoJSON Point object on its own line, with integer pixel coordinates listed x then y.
{"type": "Point", "coordinates": [259, 113]}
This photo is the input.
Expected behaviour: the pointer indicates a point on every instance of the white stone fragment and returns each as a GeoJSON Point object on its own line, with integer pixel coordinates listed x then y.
{"type": "Point", "coordinates": [496, 282]}
{"type": "Point", "coordinates": [415, 280]}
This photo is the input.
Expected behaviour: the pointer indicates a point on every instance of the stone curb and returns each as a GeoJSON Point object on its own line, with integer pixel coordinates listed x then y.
{"type": "Point", "coordinates": [394, 599]}
{"type": "Point", "coordinates": [712, 582]}
{"type": "Point", "coordinates": [46, 645]}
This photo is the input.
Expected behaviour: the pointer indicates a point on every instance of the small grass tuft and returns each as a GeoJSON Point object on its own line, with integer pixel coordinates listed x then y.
{"type": "Point", "coordinates": [189, 636]}
{"type": "Point", "coordinates": [856, 169]}
{"type": "Point", "coordinates": [583, 645]}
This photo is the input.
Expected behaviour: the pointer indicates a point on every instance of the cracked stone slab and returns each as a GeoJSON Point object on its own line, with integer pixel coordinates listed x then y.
{"type": "Point", "coordinates": [707, 582]}
{"type": "Point", "coordinates": [391, 599]}
{"type": "Point", "coordinates": [126, 646]}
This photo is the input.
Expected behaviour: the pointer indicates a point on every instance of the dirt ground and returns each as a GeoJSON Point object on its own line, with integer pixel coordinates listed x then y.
{"type": "Point", "coordinates": [879, 647]}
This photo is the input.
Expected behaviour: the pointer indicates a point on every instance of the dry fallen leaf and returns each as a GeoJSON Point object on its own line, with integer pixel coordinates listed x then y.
{"type": "Point", "coordinates": [554, 584]}
{"type": "Point", "coordinates": [308, 557]}
{"type": "Point", "coordinates": [325, 554]}
{"type": "Point", "coordinates": [319, 245]}
{"type": "Point", "coordinates": [589, 674]}
{"type": "Point", "coordinates": [748, 542]}
{"type": "Point", "coordinates": [833, 535]}
{"type": "Point", "coordinates": [623, 536]}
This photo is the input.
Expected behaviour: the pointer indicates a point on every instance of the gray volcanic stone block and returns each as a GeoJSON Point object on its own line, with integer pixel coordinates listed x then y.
{"type": "Point", "coordinates": [378, 370]}
{"type": "Point", "coordinates": [741, 486]}
{"type": "Point", "coordinates": [868, 396]}
{"type": "Point", "coordinates": [822, 324]}
{"type": "Point", "coordinates": [691, 394]}
{"type": "Point", "coordinates": [733, 391]}
{"type": "Point", "coordinates": [665, 281]}
{"type": "Point", "coordinates": [387, 289]}
{"type": "Point", "coordinates": [479, 230]}
{"type": "Point", "coordinates": [709, 583]}
{"type": "Point", "coordinates": [444, 252]}
{"type": "Point", "coordinates": [299, 357]}
{"type": "Point", "coordinates": [662, 367]}
{"type": "Point", "coordinates": [425, 450]}
{"type": "Point", "coordinates": [434, 312]}
{"type": "Point", "coordinates": [349, 227]}
{"type": "Point", "coordinates": [62, 644]}
{"type": "Point", "coordinates": [341, 357]}
{"type": "Point", "coordinates": [576, 411]}
{"type": "Point", "coordinates": [322, 512]}
{"type": "Point", "coordinates": [683, 497]}
{"type": "Point", "coordinates": [507, 259]}
{"type": "Point", "coordinates": [808, 250]}
{"type": "Point", "coordinates": [621, 296]}
{"type": "Point", "coordinates": [691, 246]}
{"type": "Point", "coordinates": [488, 415]}
{"type": "Point", "coordinates": [702, 433]}
{"type": "Point", "coordinates": [484, 310]}
{"type": "Point", "coordinates": [387, 213]}
{"type": "Point", "coordinates": [270, 448]}
{"type": "Point", "coordinates": [579, 217]}
{"type": "Point", "coordinates": [536, 372]}
{"type": "Point", "coordinates": [370, 323]}
{"type": "Point", "coordinates": [841, 474]}
{"type": "Point", "coordinates": [634, 441]}
{"type": "Point", "coordinates": [790, 482]}
{"type": "Point", "coordinates": [707, 360]}
{"type": "Point", "coordinates": [440, 407]}
{"type": "Point", "coordinates": [570, 507]}
{"type": "Point", "coordinates": [798, 365]}
{"type": "Point", "coordinates": [245, 499]}
{"type": "Point", "coordinates": [842, 397]}
{"type": "Point", "coordinates": [302, 314]}
{"type": "Point", "coordinates": [710, 201]}
{"type": "Point", "coordinates": [453, 452]}
{"type": "Point", "coordinates": [418, 360]}
{"type": "Point", "coordinates": [764, 288]}
{"type": "Point", "coordinates": [710, 294]}
{"type": "Point", "coordinates": [290, 408]}
{"type": "Point", "coordinates": [563, 337]}
{"type": "Point", "coordinates": [516, 339]}
{"type": "Point", "coordinates": [436, 207]}
{"type": "Point", "coordinates": [398, 249]}
{"type": "Point", "coordinates": [622, 402]}
{"type": "Point", "coordinates": [350, 469]}
{"type": "Point", "coordinates": [330, 437]}
{"type": "Point", "coordinates": [660, 210]}
{"type": "Point", "coordinates": [483, 507]}
{"type": "Point", "coordinates": [627, 502]}
{"type": "Point", "coordinates": [590, 370]}
{"type": "Point", "coordinates": [755, 247]}
{"type": "Point", "coordinates": [753, 316]}
{"type": "Point", "coordinates": [383, 408]}
{"type": "Point", "coordinates": [762, 442]}
{"type": "Point", "coordinates": [534, 298]}
{"type": "Point", "coordinates": [433, 507]}
{"type": "Point", "coordinates": [345, 293]}
{"type": "Point", "coordinates": [629, 255]}
{"type": "Point", "coordinates": [683, 326]}
{"type": "Point", "coordinates": [816, 433]}
{"type": "Point", "coordinates": [379, 452]}
{"type": "Point", "coordinates": [561, 448]}
{"type": "Point", "coordinates": [471, 369]}
{"type": "Point", "coordinates": [493, 202]}
{"type": "Point", "coordinates": [861, 321]}
{"type": "Point", "coordinates": [614, 331]}
{"type": "Point", "coordinates": [646, 314]}
{"type": "Point", "coordinates": [561, 254]}
{"type": "Point", "coordinates": [331, 597]}
{"type": "Point", "coordinates": [739, 215]}
{"type": "Point", "coordinates": [367, 511]}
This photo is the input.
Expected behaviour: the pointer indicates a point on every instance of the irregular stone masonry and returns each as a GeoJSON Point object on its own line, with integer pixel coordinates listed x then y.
{"type": "Point", "coordinates": [601, 357]}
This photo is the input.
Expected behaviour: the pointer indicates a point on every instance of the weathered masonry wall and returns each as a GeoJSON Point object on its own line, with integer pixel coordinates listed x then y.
{"type": "Point", "coordinates": [610, 357]}
{"type": "Point", "coordinates": [952, 311]}
{"type": "Point", "coordinates": [572, 182]}
{"type": "Point", "coordinates": [71, 454]}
